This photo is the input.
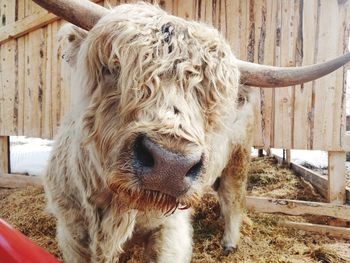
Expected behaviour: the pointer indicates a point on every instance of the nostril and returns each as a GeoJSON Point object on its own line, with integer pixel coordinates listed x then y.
{"type": "Point", "coordinates": [143, 158]}
{"type": "Point", "coordinates": [193, 172]}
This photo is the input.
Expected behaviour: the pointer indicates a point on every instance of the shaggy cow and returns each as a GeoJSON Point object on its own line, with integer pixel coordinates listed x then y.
{"type": "Point", "coordinates": [158, 119]}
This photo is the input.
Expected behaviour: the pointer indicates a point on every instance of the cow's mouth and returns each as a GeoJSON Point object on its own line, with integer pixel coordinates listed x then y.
{"type": "Point", "coordinates": [137, 197]}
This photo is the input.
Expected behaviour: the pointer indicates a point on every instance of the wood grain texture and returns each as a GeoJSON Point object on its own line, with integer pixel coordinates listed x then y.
{"type": "Point", "coordinates": [333, 231]}
{"type": "Point", "coordinates": [19, 180]}
{"type": "Point", "coordinates": [336, 177]}
{"type": "Point", "coordinates": [303, 115]}
{"type": "Point", "coordinates": [7, 72]}
{"type": "Point", "coordinates": [4, 154]}
{"type": "Point", "coordinates": [296, 207]}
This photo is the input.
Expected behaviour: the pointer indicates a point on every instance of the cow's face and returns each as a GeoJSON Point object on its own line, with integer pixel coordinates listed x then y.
{"type": "Point", "coordinates": [156, 89]}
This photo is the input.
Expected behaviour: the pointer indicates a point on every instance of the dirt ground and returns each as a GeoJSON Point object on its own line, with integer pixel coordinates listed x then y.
{"type": "Point", "coordinates": [263, 239]}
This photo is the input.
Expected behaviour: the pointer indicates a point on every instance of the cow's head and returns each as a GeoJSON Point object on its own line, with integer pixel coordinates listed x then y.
{"type": "Point", "coordinates": [155, 88]}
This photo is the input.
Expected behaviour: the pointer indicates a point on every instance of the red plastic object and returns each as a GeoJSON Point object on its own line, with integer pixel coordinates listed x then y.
{"type": "Point", "coordinates": [17, 248]}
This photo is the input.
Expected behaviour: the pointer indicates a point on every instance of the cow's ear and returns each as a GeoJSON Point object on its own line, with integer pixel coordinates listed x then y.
{"type": "Point", "coordinates": [70, 38]}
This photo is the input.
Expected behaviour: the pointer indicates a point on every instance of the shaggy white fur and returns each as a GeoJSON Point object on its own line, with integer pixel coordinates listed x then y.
{"type": "Point", "coordinates": [142, 71]}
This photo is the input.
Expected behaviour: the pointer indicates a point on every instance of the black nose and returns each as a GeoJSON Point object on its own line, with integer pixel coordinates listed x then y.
{"type": "Point", "coordinates": [162, 170]}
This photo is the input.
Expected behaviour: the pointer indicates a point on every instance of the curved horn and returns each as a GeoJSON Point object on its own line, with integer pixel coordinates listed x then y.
{"type": "Point", "coordinates": [270, 76]}
{"type": "Point", "coordinates": [81, 13]}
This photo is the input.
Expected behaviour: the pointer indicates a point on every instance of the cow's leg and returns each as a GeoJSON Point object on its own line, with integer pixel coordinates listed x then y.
{"type": "Point", "coordinates": [172, 241]}
{"type": "Point", "coordinates": [231, 192]}
{"type": "Point", "coordinates": [73, 240]}
{"type": "Point", "coordinates": [72, 228]}
{"type": "Point", "coordinates": [110, 233]}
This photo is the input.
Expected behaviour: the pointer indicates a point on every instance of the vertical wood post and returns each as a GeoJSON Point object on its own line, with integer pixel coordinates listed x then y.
{"type": "Point", "coordinates": [268, 152]}
{"type": "Point", "coordinates": [336, 177]}
{"type": "Point", "coordinates": [4, 154]}
{"type": "Point", "coordinates": [288, 157]}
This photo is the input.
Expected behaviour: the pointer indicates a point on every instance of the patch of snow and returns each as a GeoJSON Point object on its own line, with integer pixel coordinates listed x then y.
{"type": "Point", "coordinates": [254, 152]}
{"type": "Point", "coordinates": [29, 155]}
{"type": "Point", "coordinates": [347, 92]}
{"type": "Point", "coordinates": [318, 159]}
{"type": "Point", "coordinates": [20, 140]}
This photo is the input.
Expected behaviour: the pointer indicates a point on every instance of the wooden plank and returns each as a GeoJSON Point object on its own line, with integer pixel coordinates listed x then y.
{"type": "Point", "coordinates": [64, 91]}
{"type": "Point", "coordinates": [250, 30]}
{"type": "Point", "coordinates": [26, 25]}
{"type": "Point", "coordinates": [339, 104]}
{"type": "Point", "coordinates": [297, 207]}
{"type": "Point", "coordinates": [232, 19]}
{"type": "Point", "coordinates": [27, 5]}
{"type": "Point", "coordinates": [243, 29]}
{"type": "Point", "coordinates": [28, 8]}
{"type": "Point", "coordinates": [34, 19]}
{"type": "Point", "coordinates": [4, 154]}
{"type": "Point", "coordinates": [345, 9]}
{"type": "Point", "coordinates": [47, 88]}
{"type": "Point", "coordinates": [303, 111]}
{"type": "Point", "coordinates": [34, 81]}
{"type": "Point", "coordinates": [325, 94]}
{"type": "Point", "coordinates": [336, 177]}
{"type": "Point", "coordinates": [8, 119]}
{"type": "Point", "coordinates": [55, 80]}
{"type": "Point", "coordinates": [167, 5]}
{"type": "Point", "coordinates": [318, 181]}
{"type": "Point", "coordinates": [206, 12]}
{"type": "Point", "coordinates": [333, 231]}
{"type": "Point", "coordinates": [36, 9]}
{"type": "Point", "coordinates": [35, 69]}
{"type": "Point", "coordinates": [266, 55]}
{"type": "Point", "coordinates": [257, 20]}
{"type": "Point", "coordinates": [18, 181]}
{"type": "Point", "coordinates": [7, 71]}
{"type": "Point", "coordinates": [186, 9]}
{"type": "Point", "coordinates": [288, 159]}
{"type": "Point", "coordinates": [215, 13]}
{"type": "Point", "coordinates": [20, 85]}
{"type": "Point", "coordinates": [222, 14]}
{"type": "Point", "coordinates": [284, 98]}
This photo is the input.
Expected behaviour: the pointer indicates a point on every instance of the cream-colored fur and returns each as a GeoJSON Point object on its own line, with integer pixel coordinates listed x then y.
{"type": "Point", "coordinates": [142, 71]}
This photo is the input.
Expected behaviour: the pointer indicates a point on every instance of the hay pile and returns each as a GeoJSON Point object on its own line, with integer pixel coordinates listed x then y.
{"type": "Point", "coordinates": [268, 179]}
{"type": "Point", "coordinates": [24, 209]}
{"type": "Point", "coordinates": [263, 240]}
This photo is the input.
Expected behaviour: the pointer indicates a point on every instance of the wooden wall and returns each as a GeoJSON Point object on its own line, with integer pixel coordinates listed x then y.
{"type": "Point", "coordinates": [32, 87]}
{"type": "Point", "coordinates": [34, 90]}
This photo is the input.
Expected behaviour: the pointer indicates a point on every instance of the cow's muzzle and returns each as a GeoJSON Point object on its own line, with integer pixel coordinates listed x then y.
{"type": "Point", "coordinates": [164, 171]}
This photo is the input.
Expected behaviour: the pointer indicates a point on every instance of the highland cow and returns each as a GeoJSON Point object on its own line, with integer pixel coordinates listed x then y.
{"type": "Point", "coordinates": [159, 118]}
